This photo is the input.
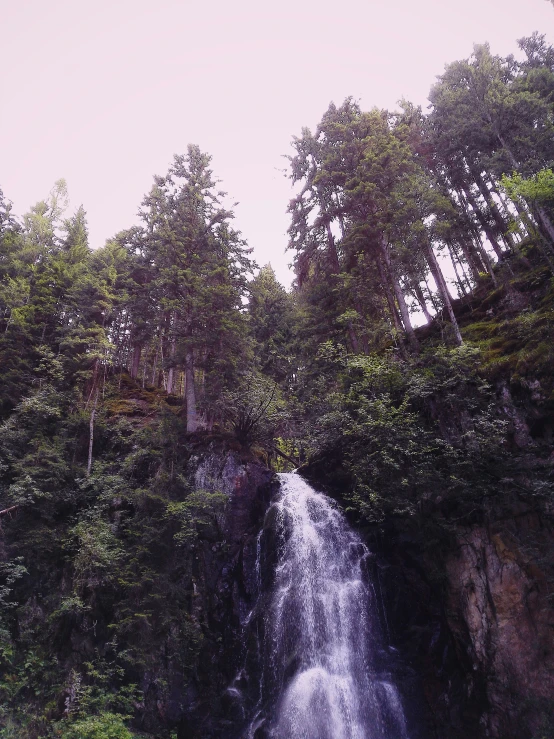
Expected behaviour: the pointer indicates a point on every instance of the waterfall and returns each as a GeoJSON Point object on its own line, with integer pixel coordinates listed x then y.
{"type": "Point", "coordinates": [325, 662]}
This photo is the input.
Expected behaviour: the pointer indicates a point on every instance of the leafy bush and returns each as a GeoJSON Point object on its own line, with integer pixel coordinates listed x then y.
{"type": "Point", "coordinates": [104, 726]}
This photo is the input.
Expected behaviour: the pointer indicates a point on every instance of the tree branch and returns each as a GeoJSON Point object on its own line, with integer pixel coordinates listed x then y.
{"type": "Point", "coordinates": [9, 510]}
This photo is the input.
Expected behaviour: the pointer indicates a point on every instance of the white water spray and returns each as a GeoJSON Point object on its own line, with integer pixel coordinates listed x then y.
{"type": "Point", "coordinates": [323, 668]}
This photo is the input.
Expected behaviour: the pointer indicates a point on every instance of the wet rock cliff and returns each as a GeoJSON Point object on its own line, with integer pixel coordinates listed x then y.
{"type": "Point", "coordinates": [225, 584]}
{"type": "Point", "coordinates": [476, 625]}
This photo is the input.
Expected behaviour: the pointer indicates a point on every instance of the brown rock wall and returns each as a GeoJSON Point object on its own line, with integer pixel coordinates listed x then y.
{"type": "Point", "coordinates": [498, 607]}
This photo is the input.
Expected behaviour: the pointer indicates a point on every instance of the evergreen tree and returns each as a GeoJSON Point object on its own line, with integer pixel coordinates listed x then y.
{"type": "Point", "coordinates": [199, 266]}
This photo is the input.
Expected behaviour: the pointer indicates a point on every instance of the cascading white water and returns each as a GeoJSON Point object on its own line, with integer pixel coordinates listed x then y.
{"type": "Point", "coordinates": [324, 658]}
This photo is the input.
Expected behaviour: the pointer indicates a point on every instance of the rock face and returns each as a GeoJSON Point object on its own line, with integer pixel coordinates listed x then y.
{"type": "Point", "coordinates": [226, 589]}
{"type": "Point", "coordinates": [477, 625]}
{"type": "Point", "coordinates": [497, 607]}
{"type": "Point", "coordinates": [245, 483]}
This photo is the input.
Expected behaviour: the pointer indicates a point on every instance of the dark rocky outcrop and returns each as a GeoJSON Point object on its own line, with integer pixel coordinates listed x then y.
{"type": "Point", "coordinates": [476, 624]}
{"type": "Point", "coordinates": [498, 608]}
{"type": "Point", "coordinates": [226, 589]}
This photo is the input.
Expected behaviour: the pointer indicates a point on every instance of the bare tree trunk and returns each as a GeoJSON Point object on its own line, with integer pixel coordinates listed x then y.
{"type": "Point", "coordinates": [161, 375]}
{"type": "Point", "coordinates": [171, 371]}
{"type": "Point", "coordinates": [190, 391]}
{"type": "Point", "coordinates": [392, 308]}
{"type": "Point", "coordinates": [432, 298]}
{"type": "Point", "coordinates": [155, 366]}
{"type": "Point", "coordinates": [483, 221]}
{"type": "Point", "coordinates": [546, 222]}
{"type": "Point", "coordinates": [340, 216]}
{"type": "Point", "coordinates": [479, 249]}
{"type": "Point", "coordinates": [353, 339]}
{"type": "Point", "coordinates": [500, 223]}
{"type": "Point", "coordinates": [144, 371]}
{"type": "Point", "coordinates": [503, 201]}
{"type": "Point", "coordinates": [467, 279]}
{"type": "Point", "coordinates": [509, 239]}
{"type": "Point", "coordinates": [172, 340]}
{"type": "Point", "coordinates": [454, 260]}
{"type": "Point", "coordinates": [362, 338]}
{"type": "Point", "coordinates": [332, 249]}
{"type": "Point", "coordinates": [473, 258]}
{"type": "Point", "coordinates": [91, 434]}
{"type": "Point", "coordinates": [135, 362]}
{"type": "Point", "coordinates": [532, 224]}
{"type": "Point", "coordinates": [404, 312]}
{"type": "Point", "coordinates": [418, 292]}
{"type": "Point", "coordinates": [443, 289]}
{"type": "Point", "coordinates": [486, 259]}
{"type": "Point", "coordinates": [525, 217]}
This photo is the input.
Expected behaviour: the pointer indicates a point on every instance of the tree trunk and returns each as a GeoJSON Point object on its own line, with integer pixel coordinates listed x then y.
{"type": "Point", "coordinates": [392, 307]}
{"type": "Point", "coordinates": [505, 146]}
{"type": "Point", "coordinates": [486, 259]}
{"type": "Point", "coordinates": [190, 393]}
{"type": "Point", "coordinates": [432, 299]}
{"type": "Point", "coordinates": [473, 259]}
{"type": "Point", "coordinates": [399, 296]}
{"type": "Point", "coordinates": [339, 214]}
{"type": "Point", "coordinates": [171, 371]}
{"type": "Point", "coordinates": [483, 221]}
{"type": "Point", "coordinates": [10, 510]}
{"type": "Point", "coordinates": [477, 247]}
{"type": "Point", "coordinates": [135, 363]}
{"type": "Point", "coordinates": [510, 239]}
{"type": "Point", "coordinates": [500, 223]}
{"type": "Point", "coordinates": [170, 377]}
{"type": "Point", "coordinates": [91, 434]}
{"type": "Point", "coordinates": [362, 338]}
{"type": "Point", "coordinates": [418, 292]}
{"type": "Point", "coordinates": [467, 280]}
{"type": "Point", "coordinates": [454, 260]}
{"type": "Point", "coordinates": [353, 339]}
{"type": "Point", "coordinates": [502, 197]}
{"type": "Point", "coordinates": [526, 218]}
{"type": "Point", "coordinates": [443, 289]}
{"type": "Point", "coordinates": [332, 249]}
{"type": "Point", "coordinates": [546, 222]}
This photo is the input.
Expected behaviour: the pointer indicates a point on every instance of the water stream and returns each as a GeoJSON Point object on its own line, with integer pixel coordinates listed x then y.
{"type": "Point", "coordinates": [325, 670]}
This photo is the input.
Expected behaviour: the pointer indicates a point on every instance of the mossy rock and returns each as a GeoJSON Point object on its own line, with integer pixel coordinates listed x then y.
{"type": "Point", "coordinates": [493, 298]}
{"type": "Point", "coordinates": [126, 407]}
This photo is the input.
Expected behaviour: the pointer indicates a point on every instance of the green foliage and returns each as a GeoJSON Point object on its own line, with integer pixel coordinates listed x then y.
{"type": "Point", "coordinates": [197, 511]}
{"type": "Point", "coordinates": [417, 433]}
{"type": "Point", "coordinates": [537, 189]}
{"type": "Point", "coordinates": [272, 322]}
{"type": "Point", "coordinates": [253, 408]}
{"type": "Point", "coordinates": [98, 552]}
{"type": "Point", "coordinates": [104, 726]}
{"type": "Point", "coordinates": [98, 688]}
{"type": "Point", "coordinates": [10, 572]}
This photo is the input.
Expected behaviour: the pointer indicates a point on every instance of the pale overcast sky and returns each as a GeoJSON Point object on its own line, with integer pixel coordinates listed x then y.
{"type": "Point", "coordinates": [104, 92]}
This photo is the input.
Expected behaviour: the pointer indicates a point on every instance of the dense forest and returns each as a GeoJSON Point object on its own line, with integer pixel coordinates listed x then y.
{"type": "Point", "coordinates": [412, 361]}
